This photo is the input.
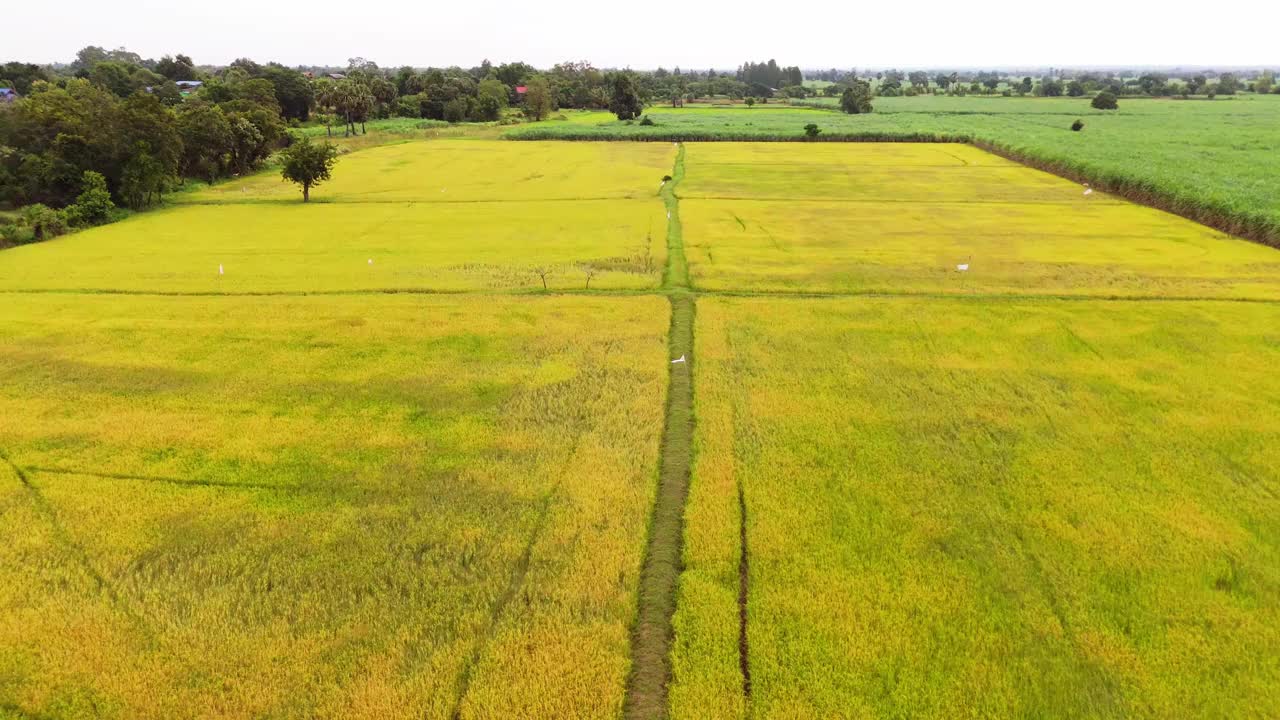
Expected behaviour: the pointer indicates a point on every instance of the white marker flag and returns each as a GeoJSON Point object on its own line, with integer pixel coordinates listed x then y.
{"type": "Point", "coordinates": [678, 360]}
{"type": "Point", "coordinates": [962, 267]}
{"type": "Point", "coordinates": [219, 269]}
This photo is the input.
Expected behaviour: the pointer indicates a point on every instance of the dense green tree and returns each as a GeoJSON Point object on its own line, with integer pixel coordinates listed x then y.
{"type": "Point", "coordinates": [1075, 88]}
{"type": "Point", "coordinates": [93, 205]}
{"type": "Point", "coordinates": [20, 76]}
{"type": "Point", "coordinates": [1105, 100]}
{"type": "Point", "coordinates": [1227, 84]}
{"type": "Point", "coordinates": [144, 178]}
{"type": "Point", "coordinates": [308, 164]}
{"type": "Point", "coordinates": [293, 92]}
{"type": "Point", "coordinates": [856, 98]}
{"type": "Point", "coordinates": [624, 99]}
{"type": "Point", "coordinates": [537, 98]}
{"type": "Point", "coordinates": [168, 94]}
{"type": "Point", "coordinates": [206, 140]}
{"type": "Point", "coordinates": [455, 110]}
{"type": "Point", "coordinates": [176, 68]}
{"type": "Point", "coordinates": [114, 76]}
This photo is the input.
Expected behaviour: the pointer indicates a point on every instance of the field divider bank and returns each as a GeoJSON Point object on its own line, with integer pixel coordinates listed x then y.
{"type": "Point", "coordinates": [653, 633]}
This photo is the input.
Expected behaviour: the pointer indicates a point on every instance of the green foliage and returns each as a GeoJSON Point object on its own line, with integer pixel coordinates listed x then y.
{"type": "Point", "coordinates": [93, 206]}
{"type": "Point", "coordinates": [1077, 126]}
{"type": "Point", "coordinates": [812, 130]}
{"type": "Point", "coordinates": [750, 101]}
{"type": "Point", "coordinates": [856, 98]}
{"type": "Point", "coordinates": [1104, 101]}
{"type": "Point", "coordinates": [624, 99]}
{"type": "Point", "coordinates": [455, 110]}
{"type": "Point", "coordinates": [308, 164]}
{"type": "Point", "coordinates": [647, 121]}
{"type": "Point", "coordinates": [537, 98]}
{"type": "Point", "coordinates": [44, 222]}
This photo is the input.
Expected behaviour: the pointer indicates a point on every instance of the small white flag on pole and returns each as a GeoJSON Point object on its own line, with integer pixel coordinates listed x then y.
{"type": "Point", "coordinates": [1088, 191]}
{"type": "Point", "coordinates": [962, 267]}
{"type": "Point", "coordinates": [219, 268]}
{"type": "Point", "coordinates": [370, 261]}
{"type": "Point", "coordinates": [678, 360]}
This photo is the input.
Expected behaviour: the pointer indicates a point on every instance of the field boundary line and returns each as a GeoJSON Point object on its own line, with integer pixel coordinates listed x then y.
{"type": "Point", "coordinates": [157, 479]}
{"type": "Point", "coordinates": [659, 292]}
{"type": "Point", "coordinates": [653, 632]}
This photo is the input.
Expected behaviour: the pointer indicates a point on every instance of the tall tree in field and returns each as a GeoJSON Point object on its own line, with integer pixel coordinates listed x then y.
{"type": "Point", "coordinates": [856, 98]}
{"type": "Point", "coordinates": [537, 98]}
{"type": "Point", "coordinates": [624, 98]}
{"type": "Point", "coordinates": [308, 164]}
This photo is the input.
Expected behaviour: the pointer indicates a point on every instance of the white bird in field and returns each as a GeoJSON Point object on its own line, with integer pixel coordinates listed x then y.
{"type": "Point", "coordinates": [962, 267]}
{"type": "Point", "coordinates": [678, 360]}
{"type": "Point", "coordinates": [1088, 191]}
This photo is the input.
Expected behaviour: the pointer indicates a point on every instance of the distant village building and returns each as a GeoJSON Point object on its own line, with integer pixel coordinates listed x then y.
{"type": "Point", "coordinates": [8, 94]}
{"type": "Point", "coordinates": [186, 87]}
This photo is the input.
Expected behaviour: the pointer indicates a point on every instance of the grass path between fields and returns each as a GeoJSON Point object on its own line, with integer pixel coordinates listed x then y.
{"type": "Point", "coordinates": [652, 635]}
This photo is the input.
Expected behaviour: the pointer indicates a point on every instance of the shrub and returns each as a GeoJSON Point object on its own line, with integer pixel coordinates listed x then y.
{"type": "Point", "coordinates": [1077, 126]}
{"type": "Point", "coordinates": [93, 206]}
{"type": "Point", "coordinates": [647, 121]}
{"type": "Point", "coordinates": [1105, 101]}
{"type": "Point", "coordinates": [750, 101]}
{"type": "Point", "coordinates": [812, 130]}
{"type": "Point", "coordinates": [45, 222]}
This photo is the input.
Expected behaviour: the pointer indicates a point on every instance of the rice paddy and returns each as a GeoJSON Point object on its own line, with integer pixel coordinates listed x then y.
{"type": "Point", "coordinates": [956, 508]}
{"type": "Point", "coordinates": [324, 507]}
{"type": "Point", "coordinates": [263, 459]}
{"type": "Point", "coordinates": [900, 218]}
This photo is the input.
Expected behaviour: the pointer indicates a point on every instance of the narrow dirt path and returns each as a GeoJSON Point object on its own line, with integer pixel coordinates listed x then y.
{"type": "Point", "coordinates": [652, 634]}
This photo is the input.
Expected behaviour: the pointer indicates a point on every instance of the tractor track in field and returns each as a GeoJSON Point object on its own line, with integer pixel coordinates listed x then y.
{"type": "Point", "coordinates": [500, 605]}
{"type": "Point", "coordinates": [76, 550]}
{"type": "Point", "coordinates": [653, 633]}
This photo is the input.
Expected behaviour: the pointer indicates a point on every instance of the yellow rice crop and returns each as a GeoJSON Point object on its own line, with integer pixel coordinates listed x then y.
{"type": "Point", "coordinates": [1002, 509]}
{"type": "Point", "coordinates": [324, 507]}
{"type": "Point", "coordinates": [901, 218]}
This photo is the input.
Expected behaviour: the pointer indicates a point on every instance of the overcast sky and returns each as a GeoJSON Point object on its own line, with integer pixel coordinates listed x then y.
{"type": "Point", "coordinates": [647, 33]}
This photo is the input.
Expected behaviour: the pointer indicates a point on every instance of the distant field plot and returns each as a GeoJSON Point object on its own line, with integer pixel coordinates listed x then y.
{"type": "Point", "coordinates": [327, 248]}
{"type": "Point", "coordinates": [471, 170]}
{"type": "Point", "coordinates": [337, 507]}
{"type": "Point", "coordinates": [900, 218]}
{"type": "Point", "coordinates": [868, 172]}
{"type": "Point", "coordinates": [1204, 159]}
{"type": "Point", "coordinates": [1003, 509]}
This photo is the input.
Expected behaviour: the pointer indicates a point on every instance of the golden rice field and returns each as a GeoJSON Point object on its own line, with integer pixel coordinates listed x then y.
{"type": "Point", "coordinates": [324, 507]}
{"type": "Point", "coordinates": [901, 218]}
{"type": "Point", "coordinates": [370, 469]}
{"type": "Point", "coordinates": [958, 508]}
{"type": "Point", "coordinates": [472, 171]}
{"type": "Point", "coordinates": [584, 216]}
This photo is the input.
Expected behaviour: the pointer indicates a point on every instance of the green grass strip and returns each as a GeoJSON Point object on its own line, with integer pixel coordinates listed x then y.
{"type": "Point", "coordinates": [652, 634]}
{"type": "Point", "coordinates": [677, 274]}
